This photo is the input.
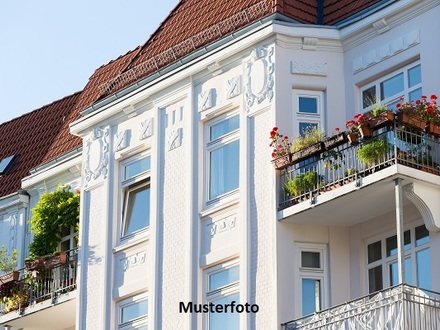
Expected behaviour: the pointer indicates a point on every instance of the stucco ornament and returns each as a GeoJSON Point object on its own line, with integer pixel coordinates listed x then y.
{"type": "Point", "coordinates": [145, 128]}
{"type": "Point", "coordinates": [96, 154]}
{"type": "Point", "coordinates": [121, 140]}
{"type": "Point", "coordinates": [259, 77]}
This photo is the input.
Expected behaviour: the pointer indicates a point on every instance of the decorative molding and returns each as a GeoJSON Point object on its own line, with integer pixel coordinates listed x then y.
{"type": "Point", "coordinates": [214, 68]}
{"type": "Point", "coordinates": [259, 77]}
{"type": "Point", "coordinates": [145, 128]}
{"type": "Point", "coordinates": [381, 26]}
{"type": "Point", "coordinates": [133, 260]}
{"type": "Point", "coordinates": [121, 140]}
{"type": "Point", "coordinates": [96, 154]}
{"type": "Point", "coordinates": [222, 225]}
{"type": "Point", "coordinates": [174, 139]}
{"type": "Point", "coordinates": [309, 43]}
{"type": "Point", "coordinates": [205, 101]}
{"type": "Point", "coordinates": [309, 68]}
{"type": "Point", "coordinates": [233, 87]}
{"type": "Point", "coordinates": [387, 50]}
{"type": "Point", "coordinates": [12, 231]}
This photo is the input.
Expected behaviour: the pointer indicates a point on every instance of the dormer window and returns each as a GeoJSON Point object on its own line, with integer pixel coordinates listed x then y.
{"type": "Point", "coordinates": [6, 164]}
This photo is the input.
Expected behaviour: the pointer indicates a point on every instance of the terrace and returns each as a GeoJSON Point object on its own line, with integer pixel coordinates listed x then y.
{"type": "Point", "coordinates": [36, 290]}
{"type": "Point", "coordinates": [356, 175]}
{"type": "Point", "coordinates": [399, 307]}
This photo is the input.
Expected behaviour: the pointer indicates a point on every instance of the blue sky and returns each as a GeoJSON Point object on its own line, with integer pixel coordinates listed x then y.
{"type": "Point", "coordinates": [49, 48]}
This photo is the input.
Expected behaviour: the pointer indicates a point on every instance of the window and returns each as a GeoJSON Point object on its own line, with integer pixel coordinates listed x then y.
{"type": "Point", "coordinates": [308, 109]}
{"type": "Point", "coordinates": [382, 260]}
{"type": "Point", "coordinates": [133, 313]}
{"type": "Point", "coordinates": [223, 152]}
{"type": "Point", "coordinates": [223, 288]}
{"type": "Point", "coordinates": [136, 195]}
{"type": "Point", "coordinates": [311, 282]}
{"type": "Point", "coordinates": [406, 83]}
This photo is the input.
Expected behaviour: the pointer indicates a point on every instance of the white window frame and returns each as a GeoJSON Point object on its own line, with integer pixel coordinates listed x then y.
{"type": "Point", "coordinates": [126, 186]}
{"type": "Point", "coordinates": [394, 98]}
{"type": "Point", "coordinates": [304, 117]}
{"type": "Point", "coordinates": [224, 291]}
{"type": "Point", "coordinates": [320, 274]}
{"type": "Point", "coordinates": [385, 261]}
{"type": "Point", "coordinates": [216, 144]}
{"type": "Point", "coordinates": [136, 323]}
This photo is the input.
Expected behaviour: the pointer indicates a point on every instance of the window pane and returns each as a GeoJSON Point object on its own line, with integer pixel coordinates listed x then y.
{"type": "Point", "coordinates": [223, 278]}
{"type": "Point", "coordinates": [305, 126]}
{"type": "Point", "coordinates": [311, 295]}
{"type": "Point", "coordinates": [424, 269]}
{"type": "Point", "coordinates": [394, 273]}
{"type": "Point", "coordinates": [224, 170]}
{"type": "Point", "coordinates": [374, 251]}
{"type": "Point", "coordinates": [138, 210]}
{"type": "Point", "coordinates": [308, 104]}
{"type": "Point", "coordinates": [375, 282]}
{"type": "Point", "coordinates": [369, 97]}
{"type": "Point", "coordinates": [392, 243]}
{"type": "Point", "coordinates": [137, 167]}
{"type": "Point", "coordinates": [414, 76]}
{"type": "Point", "coordinates": [391, 86]}
{"type": "Point", "coordinates": [222, 321]}
{"type": "Point", "coordinates": [415, 94]}
{"type": "Point", "coordinates": [422, 235]}
{"type": "Point", "coordinates": [310, 259]}
{"type": "Point", "coordinates": [224, 127]}
{"type": "Point", "coordinates": [133, 311]}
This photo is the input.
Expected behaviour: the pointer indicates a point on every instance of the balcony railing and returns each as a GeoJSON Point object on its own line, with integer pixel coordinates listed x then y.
{"type": "Point", "coordinates": [35, 286]}
{"type": "Point", "coordinates": [344, 164]}
{"type": "Point", "coordinates": [402, 307]}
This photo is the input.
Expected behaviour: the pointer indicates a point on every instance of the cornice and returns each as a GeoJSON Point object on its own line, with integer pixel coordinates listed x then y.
{"type": "Point", "coordinates": [386, 19]}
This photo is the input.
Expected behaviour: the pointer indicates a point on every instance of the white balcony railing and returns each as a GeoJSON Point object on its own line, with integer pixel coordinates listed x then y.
{"type": "Point", "coordinates": [402, 307]}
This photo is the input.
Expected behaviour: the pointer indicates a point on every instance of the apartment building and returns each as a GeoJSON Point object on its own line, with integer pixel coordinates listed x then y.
{"type": "Point", "coordinates": [185, 218]}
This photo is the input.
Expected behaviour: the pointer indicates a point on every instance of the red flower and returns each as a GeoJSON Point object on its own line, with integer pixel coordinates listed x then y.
{"type": "Point", "coordinates": [433, 97]}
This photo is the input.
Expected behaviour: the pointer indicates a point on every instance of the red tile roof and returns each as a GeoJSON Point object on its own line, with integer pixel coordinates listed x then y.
{"type": "Point", "coordinates": [193, 24]}
{"type": "Point", "coordinates": [30, 137]}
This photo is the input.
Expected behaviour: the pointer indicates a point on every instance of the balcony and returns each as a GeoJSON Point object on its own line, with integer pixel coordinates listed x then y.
{"type": "Point", "coordinates": [354, 180]}
{"type": "Point", "coordinates": [47, 297]}
{"type": "Point", "coordinates": [396, 308]}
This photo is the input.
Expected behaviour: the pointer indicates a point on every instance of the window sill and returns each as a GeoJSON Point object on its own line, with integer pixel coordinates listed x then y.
{"type": "Point", "coordinates": [220, 204]}
{"type": "Point", "coordinates": [127, 243]}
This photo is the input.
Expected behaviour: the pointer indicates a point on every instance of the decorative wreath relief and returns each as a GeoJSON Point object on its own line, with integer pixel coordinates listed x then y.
{"type": "Point", "coordinates": [96, 153]}
{"type": "Point", "coordinates": [259, 76]}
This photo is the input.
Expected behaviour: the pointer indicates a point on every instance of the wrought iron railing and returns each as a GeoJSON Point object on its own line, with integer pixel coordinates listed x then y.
{"type": "Point", "coordinates": [40, 284]}
{"type": "Point", "coordinates": [402, 307]}
{"type": "Point", "coordinates": [345, 163]}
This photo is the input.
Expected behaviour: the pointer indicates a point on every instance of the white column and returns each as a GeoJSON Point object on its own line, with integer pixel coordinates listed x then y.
{"type": "Point", "coordinates": [399, 228]}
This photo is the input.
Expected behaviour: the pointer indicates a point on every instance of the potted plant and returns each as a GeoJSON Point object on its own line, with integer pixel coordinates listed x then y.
{"type": "Point", "coordinates": [379, 116]}
{"type": "Point", "coordinates": [432, 115]}
{"type": "Point", "coordinates": [281, 153]}
{"type": "Point", "coordinates": [352, 132]}
{"type": "Point", "coordinates": [373, 152]}
{"type": "Point", "coordinates": [14, 295]}
{"type": "Point", "coordinates": [333, 159]}
{"type": "Point", "coordinates": [363, 125]}
{"type": "Point", "coordinates": [308, 144]}
{"type": "Point", "coordinates": [54, 212]}
{"type": "Point", "coordinates": [301, 184]}
{"type": "Point", "coordinates": [8, 262]}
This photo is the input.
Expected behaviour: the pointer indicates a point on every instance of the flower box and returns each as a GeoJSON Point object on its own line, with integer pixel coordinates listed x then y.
{"type": "Point", "coordinates": [307, 152]}
{"type": "Point", "coordinates": [335, 141]}
{"type": "Point", "coordinates": [35, 264]}
{"type": "Point", "coordinates": [365, 130]}
{"type": "Point", "coordinates": [411, 120]}
{"type": "Point", "coordinates": [433, 129]}
{"type": "Point", "coordinates": [10, 277]}
{"type": "Point", "coordinates": [56, 260]}
{"type": "Point", "coordinates": [384, 119]}
{"type": "Point", "coordinates": [282, 162]}
{"type": "Point", "coordinates": [352, 138]}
